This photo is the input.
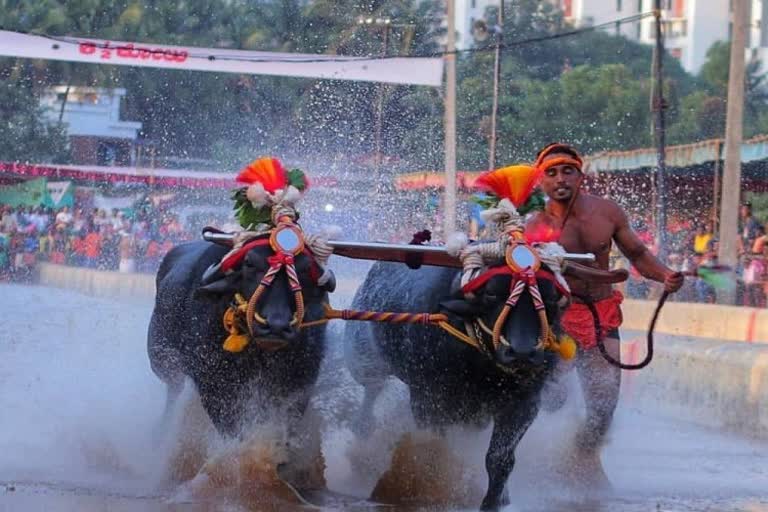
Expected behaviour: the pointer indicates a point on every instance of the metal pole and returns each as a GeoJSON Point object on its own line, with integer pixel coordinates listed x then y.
{"type": "Point", "coordinates": [450, 122]}
{"type": "Point", "coordinates": [496, 75]}
{"type": "Point", "coordinates": [716, 186]}
{"type": "Point", "coordinates": [731, 192]}
{"type": "Point", "coordinates": [380, 105]}
{"type": "Point", "coordinates": [64, 103]}
{"type": "Point", "coordinates": [659, 106]}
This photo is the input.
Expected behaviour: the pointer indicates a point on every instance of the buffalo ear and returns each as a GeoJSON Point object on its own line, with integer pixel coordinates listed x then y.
{"type": "Point", "coordinates": [456, 292]}
{"type": "Point", "coordinates": [226, 284]}
{"type": "Point", "coordinates": [330, 283]}
{"type": "Point", "coordinates": [462, 308]}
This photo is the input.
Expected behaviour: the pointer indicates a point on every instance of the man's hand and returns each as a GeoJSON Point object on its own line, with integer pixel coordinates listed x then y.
{"type": "Point", "coordinates": [673, 282]}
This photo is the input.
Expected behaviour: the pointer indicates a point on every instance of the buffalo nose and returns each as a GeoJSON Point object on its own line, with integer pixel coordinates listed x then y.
{"type": "Point", "coordinates": [508, 355]}
{"type": "Point", "coordinates": [281, 329]}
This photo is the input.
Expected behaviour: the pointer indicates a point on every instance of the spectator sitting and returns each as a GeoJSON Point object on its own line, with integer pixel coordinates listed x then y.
{"type": "Point", "coordinates": [59, 249]}
{"type": "Point", "coordinates": [64, 217]}
{"type": "Point", "coordinates": [127, 248]}
{"type": "Point", "coordinates": [5, 260]}
{"type": "Point", "coordinates": [92, 247]}
{"type": "Point", "coordinates": [702, 237]}
{"type": "Point", "coordinates": [9, 220]}
{"type": "Point", "coordinates": [748, 227]}
{"type": "Point", "coordinates": [755, 271]}
{"type": "Point", "coordinates": [78, 221]}
{"type": "Point", "coordinates": [100, 219]}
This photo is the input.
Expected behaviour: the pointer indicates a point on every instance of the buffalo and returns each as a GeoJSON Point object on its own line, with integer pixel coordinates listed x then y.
{"type": "Point", "coordinates": [280, 362]}
{"type": "Point", "coordinates": [450, 382]}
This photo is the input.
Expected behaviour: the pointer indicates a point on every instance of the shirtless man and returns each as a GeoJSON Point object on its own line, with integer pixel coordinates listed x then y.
{"type": "Point", "coordinates": [590, 224]}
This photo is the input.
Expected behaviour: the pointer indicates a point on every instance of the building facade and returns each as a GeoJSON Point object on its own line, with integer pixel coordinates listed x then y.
{"type": "Point", "coordinates": [97, 135]}
{"type": "Point", "coordinates": [757, 36]}
{"type": "Point", "coordinates": [586, 13]}
{"type": "Point", "coordinates": [691, 27]}
{"type": "Point", "coordinates": [467, 12]}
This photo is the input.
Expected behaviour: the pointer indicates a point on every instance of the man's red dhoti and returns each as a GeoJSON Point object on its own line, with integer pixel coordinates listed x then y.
{"type": "Point", "coordinates": [577, 320]}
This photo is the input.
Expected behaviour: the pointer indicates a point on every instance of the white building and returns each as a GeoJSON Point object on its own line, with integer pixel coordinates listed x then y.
{"type": "Point", "coordinates": [585, 13]}
{"type": "Point", "coordinates": [579, 13]}
{"type": "Point", "coordinates": [757, 37]}
{"type": "Point", "coordinates": [691, 28]}
{"type": "Point", "coordinates": [89, 111]}
{"type": "Point", "coordinates": [467, 12]}
{"type": "Point", "coordinates": [92, 117]}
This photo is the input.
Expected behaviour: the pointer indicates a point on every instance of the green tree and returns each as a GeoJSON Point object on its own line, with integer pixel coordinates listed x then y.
{"type": "Point", "coordinates": [541, 97]}
{"type": "Point", "coordinates": [702, 112]}
{"type": "Point", "coordinates": [24, 136]}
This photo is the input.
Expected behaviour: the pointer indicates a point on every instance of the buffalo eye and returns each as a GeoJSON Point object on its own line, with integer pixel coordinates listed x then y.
{"type": "Point", "coordinates": [256, 262]}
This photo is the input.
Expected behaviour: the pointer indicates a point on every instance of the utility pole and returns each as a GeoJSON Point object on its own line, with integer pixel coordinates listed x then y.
{"type": "Point", "coordinates": [496, 75]}
{"type": "Point", "coordinates": [659, 106]}
{"type": "Point", "coordinates": [731, 191]}
{"type": "Point", "coordinates": [386, 23]}
{"type": "Point", "coordinates": [449, 203]}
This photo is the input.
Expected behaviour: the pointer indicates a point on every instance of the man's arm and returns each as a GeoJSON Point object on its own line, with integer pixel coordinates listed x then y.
{"type": "Point", "coordinates": [638, 254]}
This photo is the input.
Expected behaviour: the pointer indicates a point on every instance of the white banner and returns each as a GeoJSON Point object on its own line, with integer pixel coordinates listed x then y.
{"type": "Point", "coordinates": [397, 70]}
{"type": "Point", "coordinates": [108, 203]}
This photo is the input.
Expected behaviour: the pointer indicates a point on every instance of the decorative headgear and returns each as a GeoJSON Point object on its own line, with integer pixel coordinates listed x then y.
{"type": "Point", "coordinates": [558, 147]}
{"type": "Point", "coordinates": [271, 192]}
{"type": "Point", "coordinates": [511, 194]}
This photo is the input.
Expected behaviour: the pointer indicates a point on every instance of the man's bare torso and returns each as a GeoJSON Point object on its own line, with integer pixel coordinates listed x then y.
{"type": "Point", "coordinates": [590, 227]}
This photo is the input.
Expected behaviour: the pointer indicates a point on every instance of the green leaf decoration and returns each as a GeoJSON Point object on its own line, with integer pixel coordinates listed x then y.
{"type": "Point", "coordinates": [246, 214]}
{"type": "Point", "coordinates": [297, 179]}
{"type": "Point", "coordinates": [486, 202]}
{"type": "Point", "coordinates": [535, 202]}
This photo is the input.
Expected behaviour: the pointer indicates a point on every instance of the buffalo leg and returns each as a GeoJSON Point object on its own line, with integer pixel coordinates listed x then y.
{"type": "Point", "coordinates": [165, 362]}
{"type": "Point", "coordinates": [172, 391]}
{"type": "Point", "coordinates": [222, 403]}
{"type": "Point", "coordinates": [363, 424]}
{"type": "Point", "coordinates": [305, 468]}
{"type": "Point", "coordinates": [509, 427]}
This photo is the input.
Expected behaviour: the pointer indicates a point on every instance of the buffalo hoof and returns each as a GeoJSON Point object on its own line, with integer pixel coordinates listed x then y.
{"type": "Point", "coordinates": [248, 473]}
{"type": "Point", "coordinates": [499, 504]}
{"type": "Point", "coordinates": [424, 472]}
{"type": "Point", "coordinates": [311, 477]}
{"type": "Point", "coordinates": [491, 505]}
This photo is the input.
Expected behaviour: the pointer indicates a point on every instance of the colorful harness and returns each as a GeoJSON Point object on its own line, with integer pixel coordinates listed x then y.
{"type": "Point", "coordinates": [287, 241]}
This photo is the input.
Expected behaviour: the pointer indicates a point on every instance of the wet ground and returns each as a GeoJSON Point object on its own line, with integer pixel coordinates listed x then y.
{"type": "Point", "coordinates": [79, 406]}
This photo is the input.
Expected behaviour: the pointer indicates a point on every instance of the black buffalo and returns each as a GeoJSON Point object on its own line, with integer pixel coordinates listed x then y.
{"type": "Point", "coordinates": [280, 364]}
{"type": "Point", "coordinates": [452, 383]}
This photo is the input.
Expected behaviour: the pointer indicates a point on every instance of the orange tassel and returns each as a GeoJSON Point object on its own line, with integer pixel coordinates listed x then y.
{"type": "Point", "coordinates": [267, 171]}
{"type": "Point", "coordinates": [515, 182]}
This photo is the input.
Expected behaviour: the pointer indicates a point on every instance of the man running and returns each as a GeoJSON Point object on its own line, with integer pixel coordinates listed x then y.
{"type": "Point", "coordinates": [591, 224]}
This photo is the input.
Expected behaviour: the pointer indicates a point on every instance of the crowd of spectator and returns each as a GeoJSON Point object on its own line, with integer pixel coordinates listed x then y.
{"type": "Point", "coordinates": [694, 250]}
{"type": "Point", "coordinates": [135, 240]}
{"type": "Point", "coordinates": [118, 240]}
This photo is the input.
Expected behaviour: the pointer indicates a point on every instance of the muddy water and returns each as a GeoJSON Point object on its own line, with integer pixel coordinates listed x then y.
{"type": "Point", "coordinates": [78, 430]}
